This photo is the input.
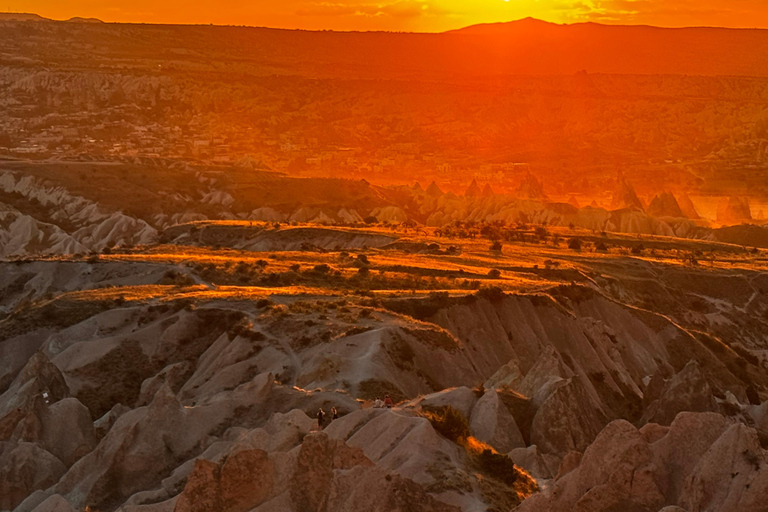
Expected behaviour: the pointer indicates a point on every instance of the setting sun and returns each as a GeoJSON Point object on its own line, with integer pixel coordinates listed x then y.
{"type": "Point", "coordinates": [406, 15]}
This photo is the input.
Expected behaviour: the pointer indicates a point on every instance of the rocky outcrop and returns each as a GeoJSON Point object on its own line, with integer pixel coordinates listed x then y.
{"type": "Point", "coordinates": [665, 205]}
{"type": "Point", "coordinates": [731, 475]}
{"type": "Point", "coordinates": [530, 188]}
{"type": "Point", "coordinates": [492, 423]}
{"type": "Point", "coordinates": [567, 420]}
{"type": "Point", "coordinates": [54, 503]}
{"type": "Point", "coordinates": [39, 383]}
{"type": "Point", "coordinates": [687, 207]}
{"type": "Point", "coordinates": [142, 446]}
{"type": "Point", "coordinates": [61, 223]}
{"type": "Point", "coordinates": [700, 464]}
{"type": "Point", "coordinates": [688, 390]}
{"type": "Point", "coordinates": [322, 474]}
{"type": "Point", "coordinates": [734, 210]}
{"type": "Point", "coordinates": [434, 191]}
{"type": "Point", "coordinates": [24, 468]}
{"type": "Point", "coordinates": [67, 430]}
{"type": "Point", "coordinates": [473, 190]}
{"type": "Point", "coordinates": [624, 196]}
{"type": "Point", "coordinates": [461, 398]}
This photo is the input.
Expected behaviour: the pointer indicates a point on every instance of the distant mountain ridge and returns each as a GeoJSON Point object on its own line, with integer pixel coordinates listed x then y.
{"type": "Point", "coordinates": [25, 16]}
{"type": "Point", "coordinates": [525, 47]}
{"type": "Point", "coordinates": [537, 24]}
{"type": "Point", "coordinates": [21, 16]}
{"type": "Point", "coordinates": [641, 49]}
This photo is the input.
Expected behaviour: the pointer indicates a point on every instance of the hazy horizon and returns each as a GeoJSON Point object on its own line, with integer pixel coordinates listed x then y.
{"type": "Point", "coordinates": [430, 16]}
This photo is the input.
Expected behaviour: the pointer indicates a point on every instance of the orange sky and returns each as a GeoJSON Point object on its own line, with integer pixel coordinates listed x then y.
{"type": "Point", "coordinates": [406, 15]}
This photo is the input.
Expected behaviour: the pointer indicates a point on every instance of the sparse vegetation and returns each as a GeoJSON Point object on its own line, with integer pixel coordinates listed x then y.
{"type": "Point", "coordinates": [449, 423]}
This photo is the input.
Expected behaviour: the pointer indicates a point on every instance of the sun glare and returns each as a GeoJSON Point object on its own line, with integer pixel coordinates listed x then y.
{"type": "Point", "coordinates": [405, 15]}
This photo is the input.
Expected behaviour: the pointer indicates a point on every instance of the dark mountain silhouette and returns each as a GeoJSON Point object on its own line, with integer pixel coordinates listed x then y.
{"type": "Point", "coordinates": [539, 46]}
{"type": "Point", "coordinates": [21, 16]}
{"type": "Point", "coordinates": [78, 19]}
{"type": "Point", "coordinates": [525, 47]}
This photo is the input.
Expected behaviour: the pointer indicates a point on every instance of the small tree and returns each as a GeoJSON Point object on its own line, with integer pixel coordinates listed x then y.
{"type": "Point", "coordinates": [494, 273]}
{"type": "Point", "coordinates": [574, 244]}
{"type": "Point", "coordinates": [496, 246]}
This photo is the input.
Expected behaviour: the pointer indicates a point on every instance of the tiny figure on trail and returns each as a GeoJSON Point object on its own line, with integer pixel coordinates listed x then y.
{"type": "Point", "coordinates": [378, 403]}
{"type": "Point", "coordinates": [388, 402]}
{"type": "Point", "coordinates": [334, 413]}
{"type": "Point", "coordinates": [320, 418]}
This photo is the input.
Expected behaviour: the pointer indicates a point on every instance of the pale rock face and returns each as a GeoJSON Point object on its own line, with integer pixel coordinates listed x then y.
{"type": "Point", "coordinates": [653, 432]}
{"type": "Point", "coordinates": [607, 475]}
{"type": "Point", "coordinates": [102, 425]}
{"type": "Point", "coordinates": [731, 475]}
{"type": "Point", "coordinates": [33, 501]}
{"type": "Point", "coordinates": [548, 371]}
{"type": "Point", "coordinates": [94, 228]}
{"type": "Point", "coordinates": [322, 474]}
{"type": "Point", "coordinates": [173, 375]}
{"type": "Point", "coordinates": [23, 401]}
{"type": "Point", "coordinates": [508, 375]}
{"type": "Point", "coordinates": [281, 433]}
{"type": "Point", "coordinates": [67, 430]}
{"type": "Point", "coordinates": [492, 423]}
{"type": "Point", "coordinates": [142, 445]}
{"type": "Point", "coordinates": [704, 462]}
{"type": "Point", "coordinates": [265, 214]}
{"type": "Point", "coordinates": [539, 465]}
{"type": "Point", "coordinates": [677, 453]}
{"type": "Point", "coordinates": [570, 462]}
{"type": "Point", "coordinates": [461, 398]}
{"type": "Point", "coordinates": [54, 504]}
{"type": "Point", "coordinates": [567, 420]}
{"type": "Point", "coordinates": [24, 468]}
{"type": "Point", "coordinates": [687, 207]}
{"type": "Point", "coordinates": [686, 391]}
{"type": "Point", "coordinates": [391, 214]}
{"type": "Point", "coordinates": [398, 441]}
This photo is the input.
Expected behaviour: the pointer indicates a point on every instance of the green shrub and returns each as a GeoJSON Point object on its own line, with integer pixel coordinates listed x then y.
{"type": "Point", "coordinates": [492, 294]}
{"type": "Point", "coordinates": [498, 466]}
{"type": "Point", "coordinates": [449, 423]}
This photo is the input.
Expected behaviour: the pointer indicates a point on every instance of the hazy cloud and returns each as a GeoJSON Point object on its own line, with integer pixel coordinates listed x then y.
{"type": "Point", "coordinates": [398, 9]}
